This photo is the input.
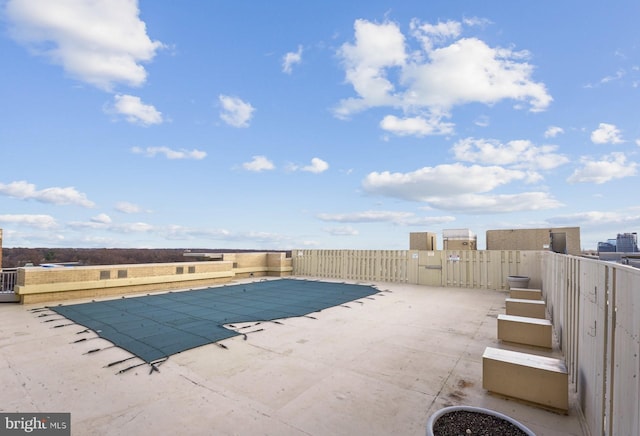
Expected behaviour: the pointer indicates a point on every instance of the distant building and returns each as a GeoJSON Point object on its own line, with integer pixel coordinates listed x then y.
{"type": "Point", "coordinates": [565, 240]}
{"type": "Point", "coordinates": [606, 247]}
{"type": "Point", "coordinates": [627, 243]}
{"type": "Point", "coordinates": [624, 243]}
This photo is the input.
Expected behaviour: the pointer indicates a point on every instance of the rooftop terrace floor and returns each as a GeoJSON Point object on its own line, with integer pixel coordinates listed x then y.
{"type": "Point", "coordinates": [378, 367]}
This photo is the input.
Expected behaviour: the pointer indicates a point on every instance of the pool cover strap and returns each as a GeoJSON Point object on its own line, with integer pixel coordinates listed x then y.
{"type": "Point", "coordinates": [156, 326]}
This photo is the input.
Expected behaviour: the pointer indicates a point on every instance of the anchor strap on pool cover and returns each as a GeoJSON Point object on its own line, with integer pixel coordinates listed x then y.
{"type": "Point", "coordinates": [156, 326]}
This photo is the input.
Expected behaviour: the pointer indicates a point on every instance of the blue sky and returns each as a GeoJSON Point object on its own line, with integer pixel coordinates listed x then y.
{"type": "Point", "coordinates": [289, 124]}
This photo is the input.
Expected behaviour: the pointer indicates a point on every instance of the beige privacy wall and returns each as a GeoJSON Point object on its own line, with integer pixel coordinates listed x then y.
{"type": "Point", "coordinates": [595, 308]}
{"type": "Point", "coordinates": [458, 268]}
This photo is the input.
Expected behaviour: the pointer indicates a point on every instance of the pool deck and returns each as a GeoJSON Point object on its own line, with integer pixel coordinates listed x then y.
{"type": "Point", "coordinates": [378, 367]}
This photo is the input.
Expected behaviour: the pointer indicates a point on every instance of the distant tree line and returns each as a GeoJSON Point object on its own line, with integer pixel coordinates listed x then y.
{"type": "Point", "coordinates": [18, 257]}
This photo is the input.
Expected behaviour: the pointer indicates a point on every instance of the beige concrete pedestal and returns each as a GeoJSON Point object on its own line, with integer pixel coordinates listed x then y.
{"type": "Point", "coordinates": [525, 294]}
{"type": "Point", "coordinates": [528, 308]}
{"type": "Point", "coordinates": [525, 330]}
{"type": "Point", "coordinates": [536, 379]}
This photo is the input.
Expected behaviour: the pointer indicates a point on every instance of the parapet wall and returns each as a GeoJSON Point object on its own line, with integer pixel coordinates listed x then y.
{"type": "Point", "coordinates": [41, 284]}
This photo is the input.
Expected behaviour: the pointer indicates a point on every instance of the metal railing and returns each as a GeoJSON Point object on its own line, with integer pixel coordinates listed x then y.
{"type": "Point", "coordinates": [8, 278]}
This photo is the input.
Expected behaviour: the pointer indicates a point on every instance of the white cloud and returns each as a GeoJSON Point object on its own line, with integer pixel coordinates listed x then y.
{"type": "Point", "coordinates": [485, 204]}
{"type": "Point", "coordinates": [369, 216]}
{"type": "Point", "coordinates": [459, 188]}
{"type": "Point", "coordinates": [476, 21]}
{"type": "Point", "coordinates": [415, 126]}
{"type": "Point", "coordinates": [138, 227]}
{"type": "Point", "coordinates": [290, 59]}
{"type": "Point", "coordinates": [37, 221]}
{"type": "Point", "coordinates": [267, 238]}
{"type": "Point", "coordinates": [375, 216]}
{"type": "Point", "coordinates": [170, 232]}
{"type": "Point", "coordinates": [517, 153]}
{"type": "Point", "coordinates": [377, 47]}
{"type": "Point", "coordinates": [135, 111]}
{"type": "Point", "coordinates": [341, 231]}
{"type": "Point", "coordinates": [100, 42]}
{"type": "Point", "coordinates": [612, 166]}
{"type": "Point", "coordinates": [176, 232]}
{"type": "Point", "coordinates": [434, 79]}
{"type": "Point", "coordinates": [606, 134]}
{"type": "Point", "coordinates": [60, 196]}
{"type": "Point", "coordinates": [431, 34]}
{"type": "Point", "coordinates": [442, 180]}
{"type": "Point", "coordinates": [317, 166]}
{"type": "Point", "coordinates": [617, 76]}
{"type": "Point", "coordinates": [259, 163]}
{"type": "Point", "coordinates": [169, 153]}
{"type": "Point", "coordinates": [93, 224]}
{"type": "Point", "coordinates": [553, 131]}
{"type": "Point", "coordinates": [310, 243]}
{"type": "Point", "coordinates": [126, 207]}
{"type": "Point", "coordinates": [102, 218]}
{"type": "Point", "coordinates": [595, 218]}
{"type": "Point", "coordinates": [469, 71]}
{"type": "Point", "coordinates": [482, 121]}
{"type": "Point", "coordinates": [235, 112]}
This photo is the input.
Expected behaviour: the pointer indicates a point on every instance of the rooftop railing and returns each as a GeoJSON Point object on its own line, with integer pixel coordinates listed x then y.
{"type": "Point", "coordinates": [595, 310]}
{"type": "Point", "coordinates": [8, 280]}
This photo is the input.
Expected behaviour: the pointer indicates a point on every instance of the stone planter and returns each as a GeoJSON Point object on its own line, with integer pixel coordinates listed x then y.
{"type": "Point", "coordinates": [473, 420]}
{"type": "Point", "coordinates": [518, 281]}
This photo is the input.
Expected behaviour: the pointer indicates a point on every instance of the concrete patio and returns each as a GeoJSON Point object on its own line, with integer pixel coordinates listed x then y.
{"type": "Point", "coordinates": [377, 367]}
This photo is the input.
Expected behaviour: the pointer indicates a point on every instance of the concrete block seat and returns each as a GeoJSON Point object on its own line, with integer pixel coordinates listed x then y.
{"type": "Point", "coordinates": [528, 308]}
{"type": "Point", "coordinates": [540, 380]}
{"type": "Point", "coordinates": [525, 330]}
{"type": "Point", "coordinates": [525, 293]}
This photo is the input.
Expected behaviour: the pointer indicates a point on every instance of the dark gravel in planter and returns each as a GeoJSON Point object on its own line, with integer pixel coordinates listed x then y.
{"type": "Point", "coordinates": [465, 423]}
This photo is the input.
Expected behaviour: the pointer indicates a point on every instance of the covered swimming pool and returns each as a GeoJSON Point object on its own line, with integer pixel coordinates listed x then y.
{"type": "Point", "coordinates": [154, 327]}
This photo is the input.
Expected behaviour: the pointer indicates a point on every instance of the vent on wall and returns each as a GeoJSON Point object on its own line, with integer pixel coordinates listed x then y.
{"type": "Point", "coordinates": [179, 270]}
{"type": "Point", "coordinates": [105, 275]}
{"type": "Point", "coordinates": [122, 273]}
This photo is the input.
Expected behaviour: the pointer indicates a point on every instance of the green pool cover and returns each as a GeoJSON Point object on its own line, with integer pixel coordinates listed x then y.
{"type": "Point", "coordinates": [156, 326]}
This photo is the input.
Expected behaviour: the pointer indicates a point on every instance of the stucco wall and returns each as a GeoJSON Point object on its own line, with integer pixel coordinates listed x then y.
{"type": "Point", "coordinates": [422, 241]}
{"type": "Point", "coordinates": [532, 239]}
{"type": "Point", "coordinates": [39, 284]}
